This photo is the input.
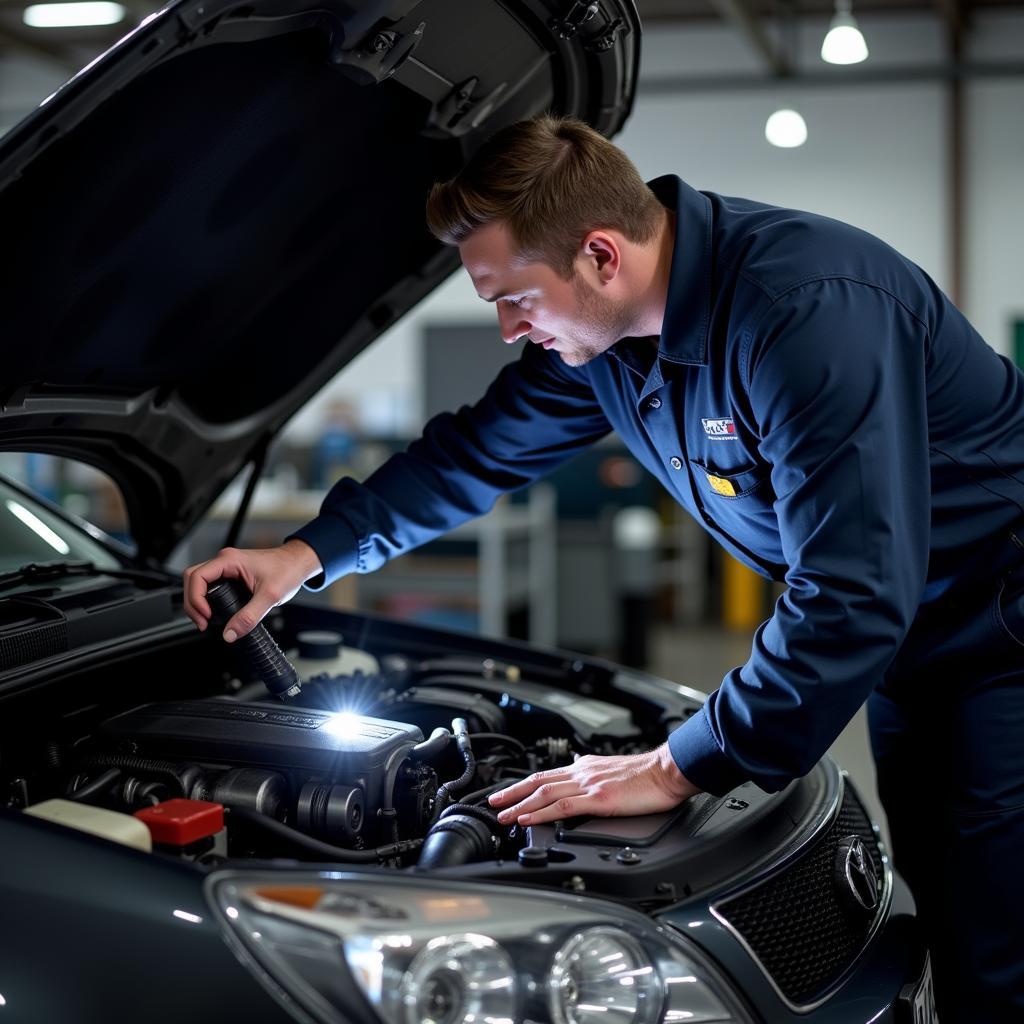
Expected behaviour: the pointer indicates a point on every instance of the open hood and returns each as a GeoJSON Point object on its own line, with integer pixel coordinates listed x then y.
{"type": "Point", "coordinates": [213, 218]}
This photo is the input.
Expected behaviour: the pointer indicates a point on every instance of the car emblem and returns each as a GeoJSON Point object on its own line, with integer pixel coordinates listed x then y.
{"type": "Point", "coordinates": [856, 877]}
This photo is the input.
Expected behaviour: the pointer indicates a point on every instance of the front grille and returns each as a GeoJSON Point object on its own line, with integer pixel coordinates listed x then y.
{"type": "Point", "coordinates": [795, 922]}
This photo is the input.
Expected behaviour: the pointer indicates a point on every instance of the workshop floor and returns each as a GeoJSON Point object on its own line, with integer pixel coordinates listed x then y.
{"type": "Point", "coordinates": [701, 657]}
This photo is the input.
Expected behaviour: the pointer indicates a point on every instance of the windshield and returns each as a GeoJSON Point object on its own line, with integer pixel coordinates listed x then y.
{"type": "Point", "coordinates": [30, 532]}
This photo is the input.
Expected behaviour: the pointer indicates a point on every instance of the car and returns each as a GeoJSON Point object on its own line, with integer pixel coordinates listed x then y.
{"type": "Point", "coordinates": [210, 221]}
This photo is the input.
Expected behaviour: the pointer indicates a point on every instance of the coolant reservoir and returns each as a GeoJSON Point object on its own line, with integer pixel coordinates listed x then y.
{"type": "Point", "coordinates": [323, 651]}
{"type": "Point", "coordinates": [97, 821]}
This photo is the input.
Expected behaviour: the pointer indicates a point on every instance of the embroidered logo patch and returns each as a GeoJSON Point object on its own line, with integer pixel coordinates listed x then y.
{"type": "Point", "coordinates": [720, 430]}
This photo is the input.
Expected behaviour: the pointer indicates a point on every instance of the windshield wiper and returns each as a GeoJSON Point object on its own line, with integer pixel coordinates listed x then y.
{"type": "Point", "coordinates": [34, 571]}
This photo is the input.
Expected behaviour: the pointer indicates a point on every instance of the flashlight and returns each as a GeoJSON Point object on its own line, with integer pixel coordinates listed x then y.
{"type": "Point", "coordinates": [266, 659]}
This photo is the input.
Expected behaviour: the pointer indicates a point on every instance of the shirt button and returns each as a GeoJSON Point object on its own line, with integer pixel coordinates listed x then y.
{"type": "Point", "coordinates": [675, 462]}
{"type": "Point", "coordinates": [654, 402]}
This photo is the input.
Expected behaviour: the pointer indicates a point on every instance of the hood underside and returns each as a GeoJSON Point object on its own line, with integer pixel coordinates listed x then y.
{"type": "Point", "coordinates": [216, 216]}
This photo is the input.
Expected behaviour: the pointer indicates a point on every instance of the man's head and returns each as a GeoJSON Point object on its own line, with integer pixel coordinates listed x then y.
{"type": "Point", "coordinates": [549, 218]}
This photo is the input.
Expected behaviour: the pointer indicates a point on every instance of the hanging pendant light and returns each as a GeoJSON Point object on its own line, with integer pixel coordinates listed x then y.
{"type": "Point", "coordinates": [844, 43]}
{"type": "Point", "coordinates": [786, 129]}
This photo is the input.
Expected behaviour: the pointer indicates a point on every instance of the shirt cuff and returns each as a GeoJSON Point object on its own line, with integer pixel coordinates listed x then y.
{"type": "Point", "coordinates": [335, 545]}
{"type": "Point", "coordinates": [698, 756]}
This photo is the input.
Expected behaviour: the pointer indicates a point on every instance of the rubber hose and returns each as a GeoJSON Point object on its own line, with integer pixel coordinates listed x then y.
{"type": "Point", "coordinates": [456, 839]}
{"type": "Point", "coordinates": [326, 850]}
{"type": "Point", "coordinates": [430, 748]}
{"type": "Point", "coordinates": [54, 756]}
{"type": "Point", "coordinates": [499, 737]}
{"type": "Point", "coordinates": [97, 785]}
{"type": "Point", "coordinates": [474, 811]}
{"type": "Point", "coordinates": [165, 771]}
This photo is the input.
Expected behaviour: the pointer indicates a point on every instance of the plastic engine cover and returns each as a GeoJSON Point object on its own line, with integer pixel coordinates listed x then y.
{"type": "Point", "coordinates": [269, 735]}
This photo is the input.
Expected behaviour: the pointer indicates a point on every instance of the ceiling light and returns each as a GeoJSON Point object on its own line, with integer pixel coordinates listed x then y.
{"type": "Point", "coordinates": [844, 43]}
{"type": "Point", "coordinates": [73, 15]}
{"type": "Point", "coordinates": [786, 129]}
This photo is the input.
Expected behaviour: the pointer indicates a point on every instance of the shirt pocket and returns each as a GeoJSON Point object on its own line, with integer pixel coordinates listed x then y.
{"type": "Point", "coordinates": [731, 484]}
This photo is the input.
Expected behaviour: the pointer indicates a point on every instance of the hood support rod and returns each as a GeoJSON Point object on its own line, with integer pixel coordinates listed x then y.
{"type": "Point", "coordinates": [259, 463]}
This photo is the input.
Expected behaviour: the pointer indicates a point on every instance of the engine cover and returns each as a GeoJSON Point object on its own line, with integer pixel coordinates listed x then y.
{"type": "Point", "coordinates": [303, 744]}
{"type": "Point", "coordinates": [269, 735]}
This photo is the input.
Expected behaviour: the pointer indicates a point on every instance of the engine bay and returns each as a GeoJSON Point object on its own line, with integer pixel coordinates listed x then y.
{"type": "Point", "coordinates": [360, 760]}
{"type": "Point", "coordinates": [385, 756]}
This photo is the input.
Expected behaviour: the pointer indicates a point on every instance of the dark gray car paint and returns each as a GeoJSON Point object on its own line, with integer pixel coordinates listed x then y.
{"type": "Point", "coordinates": [89, 934]}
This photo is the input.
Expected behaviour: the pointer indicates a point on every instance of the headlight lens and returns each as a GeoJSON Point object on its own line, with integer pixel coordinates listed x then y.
{"type": "Point", "coordinates": [431, 952]}
{"type": "Point", "coordinates": [458, 979]}
{"type": "Point", "coordinates": [602, 974]}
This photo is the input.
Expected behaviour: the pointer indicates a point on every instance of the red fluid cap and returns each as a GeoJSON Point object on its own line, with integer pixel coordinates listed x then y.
{"type": "Point", "coordinates": [181, 822]}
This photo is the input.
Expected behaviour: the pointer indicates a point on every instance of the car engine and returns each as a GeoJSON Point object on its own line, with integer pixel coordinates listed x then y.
{"type": "Point", "coordinates": [389, 762]}
{"type": "Point", "coordinates": [384, 754]}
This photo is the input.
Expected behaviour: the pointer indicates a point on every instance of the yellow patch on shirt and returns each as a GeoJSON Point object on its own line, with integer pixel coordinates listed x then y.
{"type": "Point", "coordinates": [721, 486]}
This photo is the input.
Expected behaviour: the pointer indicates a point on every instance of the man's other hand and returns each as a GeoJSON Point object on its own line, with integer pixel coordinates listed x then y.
{"type": "Point", "coordinates": [273, 575]}
{"type": "Point", "coordinates": [605, 786]}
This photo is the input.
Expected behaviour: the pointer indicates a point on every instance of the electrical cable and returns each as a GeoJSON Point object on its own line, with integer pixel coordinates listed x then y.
{"type": "Point", "coordinates": [325, 850]}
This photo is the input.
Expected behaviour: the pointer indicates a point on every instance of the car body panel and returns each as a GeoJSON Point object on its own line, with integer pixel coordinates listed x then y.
{"type": "Point", "coordinates": [246, 215]}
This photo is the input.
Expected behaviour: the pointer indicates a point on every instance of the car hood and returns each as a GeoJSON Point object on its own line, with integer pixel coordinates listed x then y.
{"type": "Point", "coordinates": [223, 210]}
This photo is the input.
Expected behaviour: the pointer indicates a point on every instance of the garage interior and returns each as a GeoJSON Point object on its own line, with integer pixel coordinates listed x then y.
{"type": "Point", "coordinates": [921, 143]}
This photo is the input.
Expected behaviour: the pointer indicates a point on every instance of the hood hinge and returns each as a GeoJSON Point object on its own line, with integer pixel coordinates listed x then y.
{"type": "Point", "coordinates": [381, 52]}
{"type": "Point", "coordinates": [460, 111]}
{"type": "Point", "coordinates": [606, 40]}
{"type": "Point", "coordinates": [578, 14]}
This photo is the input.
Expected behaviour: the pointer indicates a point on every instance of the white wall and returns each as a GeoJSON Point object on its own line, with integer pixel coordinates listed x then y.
{"type": "Point", "coordinates": [875, 156]}
{"type": "Point", "coordinates": [24, 83]}
{"type": "Point", "coordinates": [878, 176]}
{"type": "Point", "coordinates": [994, 264]}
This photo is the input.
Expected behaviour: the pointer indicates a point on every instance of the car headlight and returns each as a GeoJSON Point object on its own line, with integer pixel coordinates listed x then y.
{"type": "Point", "coordinates": [347, 947]}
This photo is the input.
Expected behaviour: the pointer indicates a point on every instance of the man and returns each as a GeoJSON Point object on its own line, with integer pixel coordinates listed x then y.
{"type": "Point", "coordinates": [829, 416]}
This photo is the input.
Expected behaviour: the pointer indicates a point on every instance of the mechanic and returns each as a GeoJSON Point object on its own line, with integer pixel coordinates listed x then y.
{"type": "Point", "coordinates": [829, 416]}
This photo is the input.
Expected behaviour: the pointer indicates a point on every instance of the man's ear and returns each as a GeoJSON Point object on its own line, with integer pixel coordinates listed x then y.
{"type": "Point", "coordinates": [600, 251]}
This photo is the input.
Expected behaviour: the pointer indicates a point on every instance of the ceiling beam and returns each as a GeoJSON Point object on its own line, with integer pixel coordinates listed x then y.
{"type": "Point", "coordinates": [953, 13]}
{"type": "Point", "coordinates": [738, 14]}
{"type": "Point", "coordinates": [668, 85]}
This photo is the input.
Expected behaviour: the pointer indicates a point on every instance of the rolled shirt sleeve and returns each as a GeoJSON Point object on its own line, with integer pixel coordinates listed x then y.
{"type": "Point", "coordinates": [835, 372]}
{"type": "Point", "coordinates": [536, 414]}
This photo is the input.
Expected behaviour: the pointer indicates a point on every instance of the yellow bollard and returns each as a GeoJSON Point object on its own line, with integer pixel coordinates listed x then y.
{"type": "Point", "coordinates": [742, 595]}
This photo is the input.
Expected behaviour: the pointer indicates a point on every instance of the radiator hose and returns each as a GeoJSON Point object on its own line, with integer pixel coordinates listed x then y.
{"type": "Point", "coordinates": [464, 834]}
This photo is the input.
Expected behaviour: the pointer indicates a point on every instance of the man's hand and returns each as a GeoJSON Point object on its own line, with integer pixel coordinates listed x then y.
{"type": "Point", "coordinates": [604, 786]}
{"type": "Point", "coordinates": [272, 574]}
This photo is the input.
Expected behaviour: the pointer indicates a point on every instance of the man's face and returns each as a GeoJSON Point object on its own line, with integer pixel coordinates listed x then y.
{"type": "Point", "coordinates": [571, 317]}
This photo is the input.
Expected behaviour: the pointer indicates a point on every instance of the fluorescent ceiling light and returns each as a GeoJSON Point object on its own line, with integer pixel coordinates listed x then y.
{"type": "Point", "coordinates": [786, 129]}
{"type": "Point", "coordinates": [844, 43]}
{"type": "Point", "coordinates": [97, 12]}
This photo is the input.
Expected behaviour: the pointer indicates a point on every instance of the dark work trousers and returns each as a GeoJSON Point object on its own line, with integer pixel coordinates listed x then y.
{"type": "Point", "coordinates": [947, 733]}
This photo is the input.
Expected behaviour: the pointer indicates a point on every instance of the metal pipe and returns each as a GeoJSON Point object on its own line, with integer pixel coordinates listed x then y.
{"type": "Point", "coordinates": [668, 85]}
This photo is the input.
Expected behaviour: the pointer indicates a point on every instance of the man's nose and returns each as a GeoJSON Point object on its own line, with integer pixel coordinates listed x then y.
{"type": "Point", "coordinates": [512, 325]}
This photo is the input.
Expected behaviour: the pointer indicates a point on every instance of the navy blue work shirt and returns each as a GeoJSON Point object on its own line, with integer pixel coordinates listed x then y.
{"type": "Point", "coordinates": [819, 406]}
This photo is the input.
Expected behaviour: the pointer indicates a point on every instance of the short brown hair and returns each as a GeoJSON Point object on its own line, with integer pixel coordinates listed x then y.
{"type": "Point", "coordinates": [552, 181]}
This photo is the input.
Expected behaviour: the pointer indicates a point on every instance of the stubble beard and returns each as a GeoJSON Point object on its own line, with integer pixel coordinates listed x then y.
{"type": "Point", "coordinates": [599, 324]}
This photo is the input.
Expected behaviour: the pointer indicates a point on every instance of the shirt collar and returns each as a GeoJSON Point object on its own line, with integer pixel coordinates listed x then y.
{"type": "Point", "coordinates": [684, 334]}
